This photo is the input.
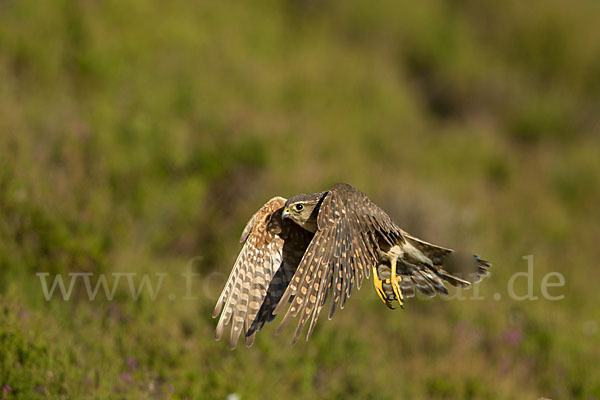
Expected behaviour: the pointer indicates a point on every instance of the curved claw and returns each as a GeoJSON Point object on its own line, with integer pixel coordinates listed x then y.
{"type": "Point", "coordinates": [378, 283]}
{"type": "Point", "coordinates": [395, 285]}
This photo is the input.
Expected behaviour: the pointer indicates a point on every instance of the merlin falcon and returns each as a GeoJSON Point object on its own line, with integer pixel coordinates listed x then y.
{"type": "Point", "coordinates": [299, 251]}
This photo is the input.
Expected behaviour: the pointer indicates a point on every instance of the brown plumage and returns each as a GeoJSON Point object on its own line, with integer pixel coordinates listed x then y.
{"type": "Point", "coordinates": [299, 251]}
{"type": "Point", "coordinates": [261, 272]}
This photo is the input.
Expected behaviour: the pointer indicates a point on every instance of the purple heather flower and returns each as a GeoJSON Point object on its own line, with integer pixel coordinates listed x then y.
{"type": "Point", "coordinates": [513, 336]}
{"type": "Point", "coordinates": [132, 364]}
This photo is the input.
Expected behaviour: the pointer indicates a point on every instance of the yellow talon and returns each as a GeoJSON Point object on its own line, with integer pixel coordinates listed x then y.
{"type": "Point", "coordinates": [378, 283]}
{"type": "Point", "coordinates": [395, 285]}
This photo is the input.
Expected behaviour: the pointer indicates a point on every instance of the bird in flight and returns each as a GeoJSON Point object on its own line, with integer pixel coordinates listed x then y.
{"type": "Point", "coordinates": [299, 251]}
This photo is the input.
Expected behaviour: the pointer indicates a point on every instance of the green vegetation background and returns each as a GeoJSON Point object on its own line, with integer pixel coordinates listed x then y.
{"type": "Point", "coordinates": [136, 136]}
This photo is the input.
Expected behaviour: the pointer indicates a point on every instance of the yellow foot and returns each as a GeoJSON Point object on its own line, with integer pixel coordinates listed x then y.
{"type": "Point", "coordinates": [395, 285]}
{"type": "Point", "coordinates": [378, 283]}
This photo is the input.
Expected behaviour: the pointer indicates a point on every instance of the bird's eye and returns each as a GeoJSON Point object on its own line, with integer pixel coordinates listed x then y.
{"type": "Point", "coordinates": [298, 207]}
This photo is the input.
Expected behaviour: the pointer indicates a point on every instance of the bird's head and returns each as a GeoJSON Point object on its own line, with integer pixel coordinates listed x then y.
{"type": "Point", "coordinates": [303, 210]}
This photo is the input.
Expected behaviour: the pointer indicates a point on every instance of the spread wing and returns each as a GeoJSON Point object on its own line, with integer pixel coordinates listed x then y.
{"type": "Point", "coordinates": [261, 273]}
{"type": "Point", "coordinates": [350, 230]}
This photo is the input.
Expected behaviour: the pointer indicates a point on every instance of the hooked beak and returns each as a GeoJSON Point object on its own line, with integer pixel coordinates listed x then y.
{"type": "Point", "coordinates": [286, 213]}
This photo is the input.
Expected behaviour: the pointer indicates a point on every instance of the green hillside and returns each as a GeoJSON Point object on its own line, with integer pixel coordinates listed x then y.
{"type": "Point", "coordinates": [139, 137]}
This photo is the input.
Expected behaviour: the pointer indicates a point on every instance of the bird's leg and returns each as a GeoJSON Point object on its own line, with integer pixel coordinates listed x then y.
{"type": "Point", "coordinates": [378, 283]}
{"type": "Point", "coordinates": [394, 281]}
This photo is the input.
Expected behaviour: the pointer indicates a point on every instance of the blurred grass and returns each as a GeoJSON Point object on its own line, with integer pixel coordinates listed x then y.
{"type": "Point", "coordinates": [136, 136]}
